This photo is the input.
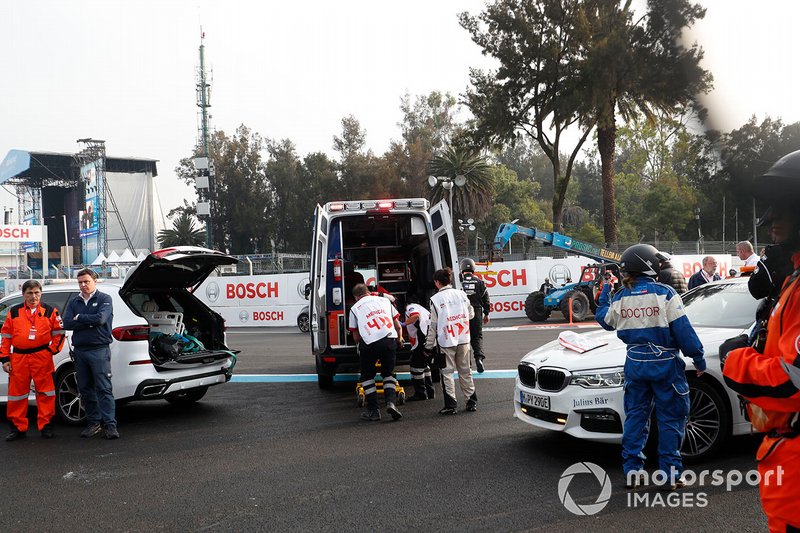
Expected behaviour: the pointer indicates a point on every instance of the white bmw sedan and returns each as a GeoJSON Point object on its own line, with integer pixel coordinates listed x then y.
{"type": "Point", "coordinates": [581, 393]}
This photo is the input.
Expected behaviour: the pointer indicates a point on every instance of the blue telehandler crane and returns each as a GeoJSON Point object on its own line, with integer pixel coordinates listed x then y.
{"type": "Point", "coordinates": [539, 305]}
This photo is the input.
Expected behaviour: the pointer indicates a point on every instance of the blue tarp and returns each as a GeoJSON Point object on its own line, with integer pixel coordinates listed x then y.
{"type": "Point", "coordinates": [15, 163]}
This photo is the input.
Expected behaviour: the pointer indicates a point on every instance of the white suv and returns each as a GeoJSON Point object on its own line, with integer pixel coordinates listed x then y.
{"type": "Point", "coordinates": [156, 297]}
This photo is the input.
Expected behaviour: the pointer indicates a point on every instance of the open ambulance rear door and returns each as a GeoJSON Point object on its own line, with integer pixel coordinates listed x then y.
{"type": "Point", "coordinates": [319, 271]}
{"type": "Point", "coordinates": [444, 244]}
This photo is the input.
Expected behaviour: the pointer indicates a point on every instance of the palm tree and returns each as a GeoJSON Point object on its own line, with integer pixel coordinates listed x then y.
{"type": "Point", "coordinates": [634, 67]}
{"type": "Point", "coordinates": [183, 233]}
{"type": "Point", "coordinates": [474, 199]}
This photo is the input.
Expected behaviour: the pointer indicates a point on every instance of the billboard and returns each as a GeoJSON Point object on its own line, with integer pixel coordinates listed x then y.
{"type": "Point", "coordinates": [31, 201]}
{"type": "Point", "coordinates": [93, 206]}
{"type": "Point", "coordinates": [89, 218]}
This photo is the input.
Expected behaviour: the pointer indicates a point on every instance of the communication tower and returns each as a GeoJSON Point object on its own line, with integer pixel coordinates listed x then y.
{"type": "Point", "coordinates": [204, 178]}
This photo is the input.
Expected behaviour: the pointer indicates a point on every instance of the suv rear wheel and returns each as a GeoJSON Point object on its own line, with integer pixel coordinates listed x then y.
{"type": "Point", "coordinates": [186, 397]}
{"type": "Point", "coordinates": [68, 399]}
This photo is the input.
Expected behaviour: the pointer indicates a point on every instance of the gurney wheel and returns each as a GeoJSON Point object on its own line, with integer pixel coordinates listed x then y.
{"type": "Point", "coordinates": [401, 398]}
{"type": "Point", "coordinates": [360, 400]}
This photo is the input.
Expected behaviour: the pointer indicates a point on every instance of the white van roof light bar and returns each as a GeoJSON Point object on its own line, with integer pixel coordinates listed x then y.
{"type": "Point", "coordinates": [383, 205]}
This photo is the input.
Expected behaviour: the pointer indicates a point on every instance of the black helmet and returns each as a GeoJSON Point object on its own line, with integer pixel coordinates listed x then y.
{"type": "Point", "coordinates": [467, 265]}
{"type": "Point", "coordinates": [642, 259]}
{"type": "Point", "coordinates": [781, 183]}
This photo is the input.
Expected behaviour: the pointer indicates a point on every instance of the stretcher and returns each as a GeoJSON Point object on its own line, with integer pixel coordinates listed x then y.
{"type": "Point", "coordinates": [361, 398]}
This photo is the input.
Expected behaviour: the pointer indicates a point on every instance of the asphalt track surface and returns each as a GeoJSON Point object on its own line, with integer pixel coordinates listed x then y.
{"type": "Point", "coordinates": [286, 456]}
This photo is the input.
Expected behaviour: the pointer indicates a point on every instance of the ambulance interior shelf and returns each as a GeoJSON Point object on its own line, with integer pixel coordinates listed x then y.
{"type": "Point", "coordinates": [388, 247]}
{"type": "Point", "coordinates": [393, 277]}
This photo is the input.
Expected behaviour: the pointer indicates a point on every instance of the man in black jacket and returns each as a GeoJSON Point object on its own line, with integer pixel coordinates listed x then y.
{"type": "Point", "coordinates": [90, 316]}
{"type": "Point", "coordinates": [479, 298]}
{"type": "Point", "coordinates": [673, 277]}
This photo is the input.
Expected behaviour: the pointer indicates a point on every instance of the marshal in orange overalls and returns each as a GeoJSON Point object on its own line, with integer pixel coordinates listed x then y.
{"type": "Point", "coordinates": [30, 338]}
{"type": "Point", "coordinates": [771, 382]}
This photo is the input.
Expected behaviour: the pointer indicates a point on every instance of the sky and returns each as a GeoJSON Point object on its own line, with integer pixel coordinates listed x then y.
{"type": "Point", "coordinates": [125, 71]}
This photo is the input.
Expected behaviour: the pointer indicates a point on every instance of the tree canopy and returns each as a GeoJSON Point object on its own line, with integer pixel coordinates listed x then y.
{"type": "Point", "coordinates": [535, 92]}
{"type": "Point", "coordinates": [574, 64]}
{"type": "Point", "coordinates": [182, 233]}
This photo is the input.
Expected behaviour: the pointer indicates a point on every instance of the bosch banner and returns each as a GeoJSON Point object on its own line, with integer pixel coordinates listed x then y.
{"type": "Point", "coordinates": [510, 282]}
{"type": "Point", "coordinates": [268, 300]}
{"type": "Point", "coordinates": [278, 300]}
{"type": "Point", "coordinates": [21, 233]}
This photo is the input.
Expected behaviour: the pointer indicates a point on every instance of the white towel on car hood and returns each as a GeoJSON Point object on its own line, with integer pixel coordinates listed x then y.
{"type": "Point", "coordinates": [577, 343]}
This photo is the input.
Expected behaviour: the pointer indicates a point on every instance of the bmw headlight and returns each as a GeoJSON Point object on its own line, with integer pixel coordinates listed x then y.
{"type": "Point", "coordinates": [599, 379]}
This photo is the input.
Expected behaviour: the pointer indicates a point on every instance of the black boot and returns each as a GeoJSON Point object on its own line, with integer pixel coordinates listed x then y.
{"type": "Point", "coordinates": [15, 435]}
{"type": "Point", "coordinates": [429, 389]}
{"type": "Point", "coordinates": [472, 403]}
{"type": "Point", "coordinates": [419, 390]}
{"type": "Point", "coordinates": [450, 406]}
{"type": "Point", "coordinates": [372, 414]}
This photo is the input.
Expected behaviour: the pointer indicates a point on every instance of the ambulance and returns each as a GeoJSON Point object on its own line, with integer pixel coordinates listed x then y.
{"type": "Point", "coordinates": [394, 246]}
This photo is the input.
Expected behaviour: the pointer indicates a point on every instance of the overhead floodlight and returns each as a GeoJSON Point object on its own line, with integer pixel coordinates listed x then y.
{"type": "Point", "coordinates": [447, 185]}
{"type": "Point", "coordinates": [432, 181]}
{"type": "Point", "coordinates": [469, 221]}
{"type": "Point", "coordinates": [461, 180]}
{"type": "Point", "coordinates": [471, 227]}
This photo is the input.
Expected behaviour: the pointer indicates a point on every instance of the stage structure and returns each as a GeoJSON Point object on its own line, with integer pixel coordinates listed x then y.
{"type": "Point", "coordinates": [90, 203]}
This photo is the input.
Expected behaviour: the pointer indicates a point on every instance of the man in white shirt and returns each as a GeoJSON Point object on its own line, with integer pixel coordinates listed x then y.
{"type": "Point", "coordinates": [451, 312]}
{"type": "Point", "coordinates": [746, 253]}
{"type": "Point", "coordinates": [375, 325]}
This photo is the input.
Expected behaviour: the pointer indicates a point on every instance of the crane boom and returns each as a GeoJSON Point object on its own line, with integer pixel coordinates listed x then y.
{"type": "Point", "coordinates": [564, 242]}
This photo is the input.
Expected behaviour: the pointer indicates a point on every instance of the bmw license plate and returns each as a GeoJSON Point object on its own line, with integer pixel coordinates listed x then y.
{"type": "Point", "coordinates": [540, 402]}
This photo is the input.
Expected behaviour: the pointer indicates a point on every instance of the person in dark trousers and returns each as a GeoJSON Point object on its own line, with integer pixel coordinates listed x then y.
{"type": "Point", "coordinates": [673, 277]}
{"type": "Point", "coordinates": [649, 318]}
{"type": "Point", "coordinates": [417, 321]}
{"type": "Point", "coordinates": [31, 334]}
{"type": "Point", "coordinates": [90, 316]}
{"type": "Point", "coordinates": [375, 325]}
{"type": "Point", "coordinates": [479, 299]}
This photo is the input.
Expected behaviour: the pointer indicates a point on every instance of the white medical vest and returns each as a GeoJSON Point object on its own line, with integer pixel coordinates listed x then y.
{"type": "Point", "coordinates": [452, 312]}
{"type": "Point", "coordinates": [374, 317]}
{"type": "Point", "coordinates": [420, 325]}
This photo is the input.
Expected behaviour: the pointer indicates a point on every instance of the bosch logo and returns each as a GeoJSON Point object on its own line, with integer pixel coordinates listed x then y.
{"type": "Point", "coordinates": [505, 307]}
{"type": "Point", "coordinates": [212, 291]}
{"type": "Point", "coordinates": [301, 288]}
{"type": "Point", "coordinates": [15, 233]}
{"type": "Point", "coordinates": [243, 315]}
{"type": "Point", "coordinates": [251, 290]}
{"type": "Point", "coordinates": [559, 274]}
{"type": "Point", "coordinates": [504, 278]}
